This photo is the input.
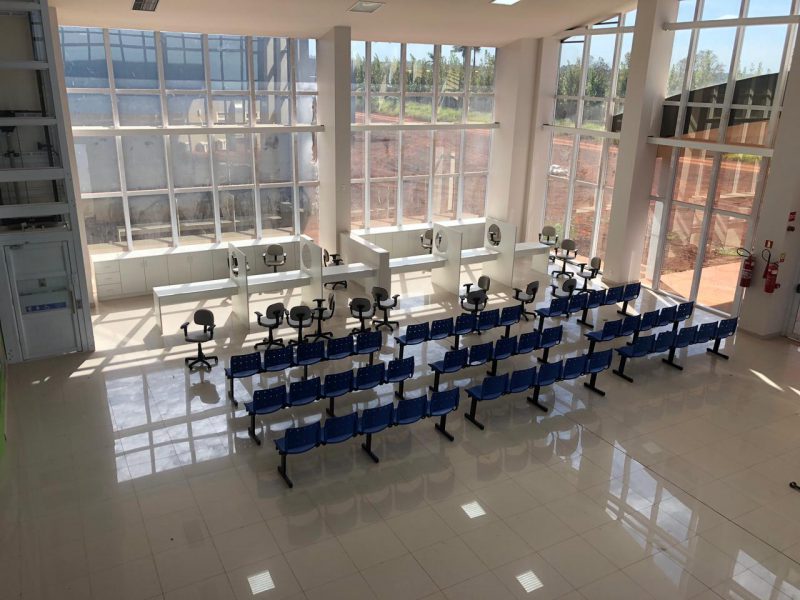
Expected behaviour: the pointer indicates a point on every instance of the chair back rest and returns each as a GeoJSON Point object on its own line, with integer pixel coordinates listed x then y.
{"type": "Point", "coordinates": [418, 332]}
{"type": "Point", "coordinates": [370, 374]}
{"type": "Point", "coordinates": [369, 340]}
{"type": "Point", "coordinates": [558, 306]}
{"type": "Point", "coordinates": [599, 361]}
{"type": "Point", "coordinates": [727, 327]}
{"type": "Point", "coordinates": [442, 327]}
{"type": "Point", "coordinates": [505, 347]}
{"type": "Point", "coordinates": [611, 329]}
{"type": "Point", "coordinates": [304, 389]}
{"type": "Point", "coordinates": [630, 324]}
{"type": "Point", "coordinates": [595, 263]}
{"type": "Point", "coordinates": [454, 360]}
{"type": "Point", "coordinates": [359, 305]}
{"type": "Point", "coordinates": [245, 362]}
{"type": "Point", "coordinates": [400, 367]}
{"type": "Point", "coordinates": [331, 303]}
{"type": "Point", "coordinates": [511, 314]}
{"type": "Point", "coordinates": [632, 291]}
{"type": "Point", "coordinates": [494, 386]}
{"type": "Point", "coordinates": [649, 320]}
{"type": "Point", "coordinates": [377, 418]}
{"type": "Point", "coordinates": [549, 373]}
{"type": "Point", "coordinates": [574, 367]}
{"type": "Point", "coordinates": [300, 314]}
{"type": "Point", "coordinates": [484, 282]}
{"type": "Point", "coordinates": [277, 356]}
{"type": "Point", "coordinates": [427, 236]}
{"type": "Point", "coordinates": [548, 231]}
{"type": "Point", "coordinates": [706, 332]}
{"type": "Point", "coordinates": [686, 336]}
{"type": "Point", "coordinates": [339, 381]}
{"type": "Point", "coordinates": [310, 351]}
{"type": "Point", "coordinates": [528, 342]}
{"type": "Point", "coordinates": [568, 245]}
{"type": "Point", "coordinates": [551, 336]}
{"type": "Point", "coordinates": [204, 317]}
{"type": "Point", "coordinates": [489, 318]}
{"type": "Point", "coordinates": [411, 409]}
{"type": "Point", "coordinates": [667, 316]}
{"type": "Point", "coordinates": [326, 257]}
{"type": "Point", "coordinates": [523, 379]}
{"type": "Point", "coordinates": [480, 353]}
{"type": "Point", "coordinates": [379, 294]}
{"type": "Point", "coordinates": [275, 311]}
{"type": "Point", "coordinates": [595, 298]}
{"type": "Point", "coordinates": [443, 402]}
{"type": "Point", "coordinates": [664, 341]}
{"type": "Point", "coordinates": [303, 436]}
{"type": "Point", "coordinates": [465, 322]}
{"type": "Point", "coordinates": [569, 285]}
{"type": "Point", "coordinates": [274, 251]}
{"type": "Point", "coordinates": [477, 297]}
{"type": "Point", "coordinates": [532, 289]}
{"type": "Point", "coordinates": [340, 345]}
{"type": "Point", "coordinates": [685, 310]}
{"type": "Point", "coordinates": [643, 346]}
{"type": "Point", "coordinates": [274, 397]}
{"type": "Point", "coordinates": [577, 302]}
{"type": "Point", "coordinates": [614, 294]}
{"type": "Point", "coordinates": [343, 427]}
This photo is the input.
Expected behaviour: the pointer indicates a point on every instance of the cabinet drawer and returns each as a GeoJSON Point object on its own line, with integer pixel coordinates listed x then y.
{"type": "Point", "coordinates": [108, 291]}
{"type": "Point", "coordinates": [107, 278]}
{"type": "Point", "coordinates": [106, 266]}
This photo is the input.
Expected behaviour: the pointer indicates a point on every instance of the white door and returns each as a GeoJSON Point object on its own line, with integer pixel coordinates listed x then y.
{"type": "Point", "coordinates": [44, 303]}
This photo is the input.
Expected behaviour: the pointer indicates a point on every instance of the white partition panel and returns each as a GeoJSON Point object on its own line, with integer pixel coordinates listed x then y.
{"type": "Point", "coordinates": [447, 245]}
{"type": "Point", "coordinates": [500, 237]}
{"type": "Point", "coordinates": [311, 265]}
{"type": "Point", "coordinates": [358, 250]}
{"type": "Point", "coordinates": [237, 271]}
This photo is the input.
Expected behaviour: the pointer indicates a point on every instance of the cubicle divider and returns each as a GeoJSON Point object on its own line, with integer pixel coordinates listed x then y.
{"type": "Point", "coordinates": [358, 250]}
{"type": "Point", "coordinates": [447, 246]}
{"type": "Point", "coordinates": [237, 270]}
{"type": "Point", "coordinates": [500, 237]}
{"type": "Point", "coordinates": [311, 265]}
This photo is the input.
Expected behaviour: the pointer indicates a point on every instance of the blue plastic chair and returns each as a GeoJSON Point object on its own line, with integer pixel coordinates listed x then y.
{"type": "Point", "coordinates": [240, 367]}
{"type": "Point", "coordinates": [706, 332]}
{"type": "Point", "coordinates": [411, 410]}
{"type": "Point", "coordinates": [479, 354]}
{"type": "Point", "coordinates": [614, 295]}
{"type": "Point", "coordinates": [683, 339]}
{"type": "Point", "coordinates": [397, 371]}
{"type": "Point", "coordinates": [667, 316]}
{"type": "Point", "coordinates": [465, 323]}
{"type": "Point", "coordinates": [521, 381]}
{"type": "Point", "coordinates": [503, 348]}
{"type": "Point", "coordinates": [488, 320]}
{"type": "Point", "coordinates": [442, 404]}
{"type": "Point", "coordinates": [630, 325]}
{"type": "Point", "coordinates": [415, 334]}
{"type": "Point", "coordinates": [335, 385]}
{"type": "Point", "coordinates": [264, 402]}
{"type": "Point", "coordinates": [490, 389]}
{"type": "Point", "coordinates": [685, 310]}
{"type": "Point", "coordinates": [370, 376]}
{"type": "Point", "coordinates": [297, 440]}
{"type": "Point", "coordinates": [509, 316]}
{"type": "Point", "coordinates": [594, 299]}
{"type": "Point", "coordinates": [597, 363]}
{"type": "Point", "coordinates": [339, 429]}
{"type": "Point", "coordinates": [573, 368]}
{"type": "Point", "coordinates": [374, 420]}
{"type": "Point", "coordinates": [557, 308]}
{"type": "Point", "coordinates": [550, 337]}
{"type": "Point", "coordinates": [726, 328]}
{"type": "Point", "coordinates": [453, 361]}
{"type": "Point", "coordinates": [309, 353]}
{"type": "Point", "coordinates": [528, 342]}
{"type": "Point", "coordinates": [629, 294]}
{"type": "Point", "coordinates": [339, 348]}
{"type": "Point", "coordinates": [610, 331]}
{"type": "Point", "coordinates": [577, 304]}
{"type": "Point", "coordinates": [304, 391]}
{"type": "Point", "coordinates": [548, 374]}
{"type": "Point", "coordinates": [278, 359]}
{"type": "Point", "coordinates": [641, 347]}
{"type": "Point", "coordinates": [368, 342]}
{"type": "Point", "coordinates": [648, 321]}
{"type": "Point", "coordinates": [664, 342]}
{"type": "Point", "coordinates": [441, 329]}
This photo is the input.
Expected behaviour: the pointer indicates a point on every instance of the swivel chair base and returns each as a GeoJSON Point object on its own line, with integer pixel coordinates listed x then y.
{"type": "Point", "coordinates": [385, 322]}
{"type": "Point", "coordinates": [336, 285]}
{"type": "Point", "coordinates": [269, 342]}
{"type": "Point", "coordinates": [200, 359]}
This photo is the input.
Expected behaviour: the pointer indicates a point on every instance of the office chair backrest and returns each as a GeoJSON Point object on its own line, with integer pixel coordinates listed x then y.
{"type": "Point", "coordinates": [275, 311]}
{"type": "Point", "coordinates": [595, 263]}
{"type": "Point", "coordinates": [275, 250]}
{"type": "Point", "coordinates": [533, 288]}
{"type": "Point", "coordinates": [379, 294]}
{"type": "Point", "coordinates": [568, 245]}
{"type": "Point", "coordinates": [548, 231]}
{"type": "Point", "coordinates": [326, 257]}
{"type": "Point", "coordinates": [204, 317]}
{"type": "Point", "coordinates": [476, 297]}
{"type": "Point", "coordinates": [484, 282]}
{"type": "Point", "coordinates": [300, 313]}
{"type": "Point", "coordinates": [428, 235]}
{"type": "Point", "coordinates": [569, 285]}
{"type": "Point", "coordinates": [331, 303]}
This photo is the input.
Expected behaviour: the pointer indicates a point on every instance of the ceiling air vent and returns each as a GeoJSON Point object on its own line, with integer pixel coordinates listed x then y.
{"type": "Point", "coordinates": [363, 6]}
{"type": "Point", "coordinates": [148, 5]}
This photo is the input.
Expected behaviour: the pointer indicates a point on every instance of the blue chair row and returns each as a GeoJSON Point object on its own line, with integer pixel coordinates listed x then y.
{"type": "Point", "coordinates": [462, 325]}
{"type": "Point", "coordinates": [481, 354]}
{"type": "Point", "coordinates": [297, 440]}
{"type": "Point", "coordinates": [670, 341]}
{"type": "Point", "coordinates": [521, 381]}
{"type": "Point", "coordinates": [636, 324]}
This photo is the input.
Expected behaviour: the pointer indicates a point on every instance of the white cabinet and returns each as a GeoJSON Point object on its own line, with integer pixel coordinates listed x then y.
{"type": "Point", "coordinates": [200, 266]}
{"type": "Point", "coordinates": [219, 263]}
{"type": "Point", "coordinates": [179, 268]}
{"type": "Point", "coordinates": [156, 272]}
{"type": "Point", "coordinates": [131, 271]}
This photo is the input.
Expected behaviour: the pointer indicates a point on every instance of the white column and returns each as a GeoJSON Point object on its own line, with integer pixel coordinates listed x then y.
{"type": "Point", "coordinates": [515, 70]}
{"type": "Point", "coordinates": [768, 314]}
{"type": "Point", "coordinates": [333, 81]}
{"type": "Point", "coordinates": [647, 84]}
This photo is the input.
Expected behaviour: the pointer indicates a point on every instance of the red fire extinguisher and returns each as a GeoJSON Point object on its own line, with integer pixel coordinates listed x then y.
{"type": "Point", "coordinates": [771, 278]}
{"type": "Point", "coordinates": [747, 271]}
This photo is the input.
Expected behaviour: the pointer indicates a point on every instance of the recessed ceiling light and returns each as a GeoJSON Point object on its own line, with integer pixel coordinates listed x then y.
{"type": "Point", "coordinates": [473, 510]}
{"type": "Point", "coordinates": [261, 582]}
{"type": "Point", "coordinates": [365, 6]}
{"type": "Point", "coordinates": [529, 581]}
{"type": "Point", "coordinates": [504, 2]}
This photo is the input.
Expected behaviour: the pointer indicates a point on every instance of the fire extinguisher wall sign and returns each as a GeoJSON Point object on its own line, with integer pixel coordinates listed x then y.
{"type": "Point", "coordinates": [771, 278]}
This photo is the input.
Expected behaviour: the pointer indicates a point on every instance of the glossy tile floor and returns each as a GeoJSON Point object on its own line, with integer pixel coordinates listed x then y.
{"type": "Point", "coordinates": [129, 478]}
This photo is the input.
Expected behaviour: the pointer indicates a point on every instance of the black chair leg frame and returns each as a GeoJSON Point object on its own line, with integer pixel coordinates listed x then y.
{"type": "Point", "coordinates": [269, 342]}
{"type": "Point", "coordinates": [252, 430]}
{"type": "Point", "coordinates": [544, 357]}
{"type": "Point", "coordinates": [435, 386]}
{"type": "Point", "coordinates": [715, 349]}
{"type": "Point", "coordinates": [624, 310]}
{"type": "Point", "coordinates": [620, 370]}
{"type": "Point", "coordinates": [441, 427]}
{"type": "Point", "coordinates": [456, 339]}
{"type": "Point", "coordinates": [282, 471]}
{"type": "Point", "coordinates": [200, 359]}
{"type": "Point", "coordinates": [367, 446]}
{"type": "Point", "coordinates": [399, 391]}
{"type": "Point", "coordinates": [385, 322]}
{"type": "Point", "coordinates": [534, 399]}
{"type": "Point", "coordinates": [591, 385]}
{"type": "Point", "coordinates": [470, 416]}
{"type": "Point", "coordinates": [525, 314]}
{"type": "Point", "coordinates": [583, 320]}
{"type": "Point", "coordinates": [670, 360]}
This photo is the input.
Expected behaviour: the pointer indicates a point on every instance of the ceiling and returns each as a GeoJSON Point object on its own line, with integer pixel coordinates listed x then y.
{"type": "Point", "coordinates": [467, 22]}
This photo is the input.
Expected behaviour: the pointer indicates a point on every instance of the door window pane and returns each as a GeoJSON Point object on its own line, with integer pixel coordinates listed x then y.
{"type": "Point", "coordinates": [230, 110]}
{"type": "Point", "coordinates": [307, 165]}
{"type": "Point", "coordinates": [277, 211]}
{"type": "Point", "coordinates": [184, 68]}
{"type": "Point", "coordinates": [446, 151]}
{"type": "Point", "coordinates": [273, 109]}
{"type": "Point", "coordinates": [195, 217]}
{"type": "Point", "coordinates": [569, 67]}
{"type": "Point", "coordinates": [96, 158]}
{"type": "Point", "coordinates": [415, 201]}
{"type": "Point", "coordinates": [145, 168]}
{"type": "Point", "coordinates": [736, 184]}
{"type": "Point", "coordinates": [358, 53]}
{"type": "Point", "coordinates": [274, 157]}
{"type": "Point", "coordinates": [383, 204]}
{"type": "Point", "coordinates": [693, 175]}
{"type": "Point", "coordinates": [451, 69]}
{"type": "Point", "coordinates": [383, 153]}
{"type": "Point", "coordinates": [271, 63]}
{"type": "Point", "coordinates": [90, 110]}
{"type": "Point", "coordinates": [237, 214]}
{"type": "Point", "coordinates": [84, 57]}
{"type": "Point", "coordinates": [227, 62]}
{"type": "Point", "coordinates": [419, 68]}
{"type": "Point", "coordinates": [680, 250]}
{"type": "Point", "coordinates": [417, 152]}
{"type": "Point", "coordinates": [191, 165]}
{"type": "Point", "coordinates": [385, 67]}
{"type": "Point", "coordinates": [150, 221]}
{"type": "Point", "coordinates": [309, 211]}
{"type": "Point", "coordinates": [232, 155]}
{"type": "Point", "coordinates": [601, 60]}
{"type": "Point", "coordinates": [133, 57]}
{"type": "Point", "coordinates": [474, 196]}
{"type": "Point", "coordinates": [139, 111]}
{"type": "Point", "coordinates": [720, 272]}
{"type": "Point", "coordinates": [104, 223]}
{"type": "Point", "coordinates": [482, 76]}
{"type": "Point", "coordinates": [445, 198]}
{"type": "Point", "coordinates": [186, 109]}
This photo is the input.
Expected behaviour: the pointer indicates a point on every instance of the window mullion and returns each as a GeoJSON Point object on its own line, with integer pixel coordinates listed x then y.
{"type": "Point", "coordinates": [400, 142]}
{"type": "Point", "coordinates": [367, 134]}
{"type": "Point", "coordinates": [251, 76]}
{"type": "Point", "coordinates": [211, 140]}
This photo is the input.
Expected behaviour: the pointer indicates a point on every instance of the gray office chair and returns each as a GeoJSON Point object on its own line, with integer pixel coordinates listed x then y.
{"type": "Point", "coordinates": [474, 301]}
{"type": "Point", "coordinates": [484, 282]}
{"type": "Point", "coordinates": [567, 250]}
{"type": "Point", "coordinates": [322, 314]}
{"type": "Point", "coordinates": [206, 319]}
{"type": "Point", "coordinates": [567, 288]}
{"type": "Point", "coordinates": [426, 240]}
{"type": "Point", "coordinates": [527, 297]}
{"type": "Point", "coordinates": [549, 237]}
{"type": "Point", "coordinates": [385, 304]}
{"type": "Point", "coordinates": [299, 317]}
{"type": "Point", "coordinates": [333, 259]}
{"type": "Point", "coordinates": [361, 309]}
{"type": "Point", "coordinates": [271, 320]}
{"type": "Point", "coordinates": [588, 274]}
{"type": "Point", "coordinates": [274, 257]}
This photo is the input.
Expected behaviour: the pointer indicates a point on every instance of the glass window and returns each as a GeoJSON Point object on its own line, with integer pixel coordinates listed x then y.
{"type": "Point", "coordinates": [309, 211]}
{"type": "Point", "coordinates": [273, 109]}
{"type": "Point", "coordinates": [357, 155]}
{"type": "Point", "coordinates": [594, 114]}
{"type": "Point", "coordinates": [144, 162]}
{"type": "Point", "coordinates": [693, 175]}
{"type": "Point", "coordinates": [418, 109]}
{"type": "Point", "coordinates": [736, 183]}
{"type": "Point", "coordinates": [601, 61]}
{"type": "Point", "coordinates": [451, 69]}
{"type": "Point", "coordinates": [482, 76]}
{"type": "Point", "coordinates": [383, 204]}
{"type": "Point", "coordinates": [624, 64]}
{"type": "Point", "coordinates": [569, 67]}
{"type": "Point", "coordinates": [383, 153]}
{"type": "Point", "coordinates": [719, 275]}
{"type": "Point", "coordinates": [104, 224]}
{"type": "Point", "coordinates": [677, 65]}
{"type": "Point", "coordinates": [450, 109]}
{"type": "Point", "coordinates": [306, 149]}
{"type": "Point", "coordinates": [230, 110]}
{"type": "Point", "coordinates": [555, 213]}
{"type": "Point", "coordinates": [385, 67]}
{"type": "Point", "coordinates": [186, 109]}
{"type": "Point", "coordinates": [84, 55]}
{"type": "Point", "coordinates": [446, 151]}
{"type": "Point", "coordinates": [769, 8]}
{"type": "Point", "coordinates": [133, 57]}
{"type": "Point", "coordinates": [384, 109]}
{"type": "Point", "coordinates": [759, 65]}
{"type": "Point", "coordinates": [477, 144]}
{"type": "Point", "coordinates": [684, 229]}
{"type": "Point", "coordinates": [271, 63]}
{"type": "Point", "coordinates": [415, 201]}
{"type": "Point", "coordinates": [445, 198]}
{"type": "Point", "coordinates": [480, 109]}
{"type": "Point", "coordinates": [150, 221]}
{"type": "Point", "coordinates": [90, 110]}
{"type": "Point", "coordinates": [582, 220]}
{"type": "Point", "coordinates": [419, 68]}
{"type": "Point", "coordinates": [306, 113]}
{"type": "Point", "coordinates": [306, 56]}
{"type": "Point", "coordinates": [358, 66]}
{"type": "Point", "coordinates": [195, 211]}
{"type": "Point", "coordinates": [566, 112]}
{"type": "Point", "coordinates": [417, 152]}
{"type": "Point", "coordinates": [475, 187]}
{"type": "Point", "coordinates": [232, 154]}
{"type": "Point", "coordinates": [712, 61]}
{"type": "Point", "coordinates": [184, 68]}
{"type": "Point", "coordinates": [277, 211]}
{"type": "Point", "coordinates": [191, 164]}
{"type": "Point", "coordinates": [227, 62]}
{"type": "Point", "coordinates": [357, 205]}
{"type": "Point", "coordinates": [721, 9]}
{"type": "Point", "coordinates": [139, 111]}
{"type": "Point", "coordinates": [96, 159]}
{"type": "Point", "coordinates": [237, 214]}
{"type": "Point", "coordinates": [590, 152]}
{"type": "Point", "coordinates": [274, 157]}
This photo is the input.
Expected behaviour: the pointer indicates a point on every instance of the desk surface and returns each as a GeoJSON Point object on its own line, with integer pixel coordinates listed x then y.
{"type": "Point", "coordinates": [478, 255]}
{"type": "Point", "coordinates": [418, 262]}
{"type": "Point", "coordinates": [223, 286]}
{"type": "Point", "coordinates": [532, 248]}
{"type": "Point", "coordinates": [274, 282]}
{"type": "Point", "coordinates": [349, 271]}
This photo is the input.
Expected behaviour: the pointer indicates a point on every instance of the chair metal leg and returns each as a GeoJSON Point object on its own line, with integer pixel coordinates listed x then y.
{"type": "Point", "coordinates": [620, 370]}
{"type": "Point", "coordinates": [470, 416]}
{"type": "Point", "coordinates": [670, 360]}
{"type": "Point", "coordinates": [591, 346]}
{"type": "Point", "coordinates": [230, 392]}
{"type": "Point", "coordinates": [715, 349]}
{"type": "Point", "coordinates": [455, 342]}
{"type": "Point", "coordinates": [252, 429]}
{"type": "Point", "coordinates": [282, 471]}
{"type": "Point", "coordinates": [493, 371]}
{"type": "Point", "coordinates": [534, 399]}
{"type": "Point", "coordinates": [368, 448]}
{"type": "Point", "coordinates": [435, 386]}
{"type": "Point", "coordinates": [402, 348]}
{"type": "Point", "coordinates": [541, 323]}
{"type": "Point", "coordinates": [399, 392]}
{"type": "Point", "coordinates": [591, 385]}
{"type": "Point", "coordinates": [583, 320]}
{"type": "Point", "coordinates": [329, 410]}
{"type": "Point", "coordinates": [624, 310]}
{"type": "Point", "coordinates": [441, 427]}
{"type": "Point", "coordinates": [546, 354]}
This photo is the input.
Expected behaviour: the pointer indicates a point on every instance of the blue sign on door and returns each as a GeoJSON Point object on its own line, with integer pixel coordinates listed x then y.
{"type": "Point", "coordinates": [45, 307]}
